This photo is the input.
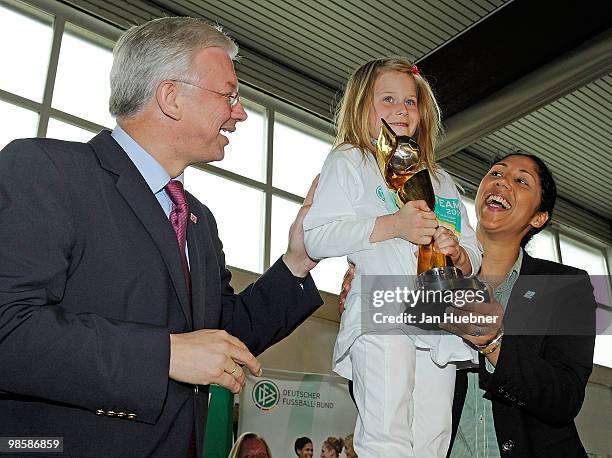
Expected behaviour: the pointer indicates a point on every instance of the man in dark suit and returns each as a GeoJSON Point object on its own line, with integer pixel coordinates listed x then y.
{"type": "Point", "coordinates": [116, 310]}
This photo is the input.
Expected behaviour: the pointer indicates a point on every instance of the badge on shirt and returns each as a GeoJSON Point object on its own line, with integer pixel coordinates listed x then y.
{"type": "Point", "coordinates": [388, 198]}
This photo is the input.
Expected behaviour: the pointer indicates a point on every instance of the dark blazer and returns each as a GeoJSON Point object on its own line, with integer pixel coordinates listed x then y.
{"type": "Point", "coordinates": [90, 289]}
{"type": "Point", "coordinates": [538, 385]}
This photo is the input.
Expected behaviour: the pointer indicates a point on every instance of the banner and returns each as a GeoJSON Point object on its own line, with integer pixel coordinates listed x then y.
{"type": "Point", "coordinates": [281, 406]}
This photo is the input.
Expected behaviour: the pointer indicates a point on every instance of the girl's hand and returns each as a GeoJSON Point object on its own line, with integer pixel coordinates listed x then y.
{"type": "Point", "coordinates": [416, 223]}
{"type": "Point", "coordinates": [445, 241]}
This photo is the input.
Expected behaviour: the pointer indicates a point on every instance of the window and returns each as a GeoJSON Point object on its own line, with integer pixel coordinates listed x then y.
{"type": "Point", "coordinates": [603, 341]}
{"type": "Point", "coordinates": [82, 86]}
{"type": "Point", "coordinates": [298, 155]}
{"type": "Point", "coordinates": [238, 210]}
{"type": "Point", "coordinates": [26, 36]}
{"type": "Point", "coordinates": [73, 69]}
{"type": "Point", "coordinates": [471, 211]}
{"type": "Point", "coordinates": [64, 131]}
{"type": "Point", "coordinates": [283, 214]}
{"type": "Point", "coordinates": [262, 204]}
{"type": "Point", "coordinates": [582, 256]}
{"type": "Point", "coordinates": [591, 259]}
{"type": "Point", "coordinates": [245, 154]}
{"type": "Point", "coordinates": [329, 272]}
{"type": "Point", "coordinates": [26, 46]}
{"type": "Point", "coordinates": [248, 204]}
{"type": "Point", "coordinates": [16, 122]}
{"type": "Point", "coordinates": [542, 245]}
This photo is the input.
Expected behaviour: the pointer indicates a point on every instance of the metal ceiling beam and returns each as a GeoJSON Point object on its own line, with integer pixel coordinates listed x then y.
{"type": "Point", "coordinates": [516, 40]}
{"type": "Point", "coordinates": [552, 81]}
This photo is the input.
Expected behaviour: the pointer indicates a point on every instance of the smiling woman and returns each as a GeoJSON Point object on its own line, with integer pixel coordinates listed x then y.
{"type": "Point", "coordinates": [517, 192]}
{"type": "Point", "coordinates": [303, 447]}
{"type": "Point", "coordinates": [529, 388]}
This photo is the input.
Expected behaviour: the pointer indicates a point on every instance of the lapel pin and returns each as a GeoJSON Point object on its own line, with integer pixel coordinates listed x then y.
{"type": "Point", "coordinates": [194, 218]}
{"type": "Point", "coordinates": [529, 294]}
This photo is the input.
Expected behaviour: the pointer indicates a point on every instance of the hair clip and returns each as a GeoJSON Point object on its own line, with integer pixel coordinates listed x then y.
{"type": "Point", "coordinates": [415, 70]}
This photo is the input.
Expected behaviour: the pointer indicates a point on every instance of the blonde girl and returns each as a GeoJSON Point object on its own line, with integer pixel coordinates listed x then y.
{"type": "Point", "coordinates": [403, 380]}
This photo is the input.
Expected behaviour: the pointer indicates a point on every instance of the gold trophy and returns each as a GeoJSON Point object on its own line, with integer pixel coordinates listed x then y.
{"type": "Point", "coordinates": [398, 158]}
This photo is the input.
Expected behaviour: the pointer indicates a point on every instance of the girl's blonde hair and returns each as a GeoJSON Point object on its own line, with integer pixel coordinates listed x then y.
{"type": "Point", "coordinates": [335, 443]}
{"type": "Point", "coordinates": [352, 115]}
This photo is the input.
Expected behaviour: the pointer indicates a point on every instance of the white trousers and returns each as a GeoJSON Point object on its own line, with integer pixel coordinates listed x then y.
{"type": "Point", "coordinates": [404, 399]}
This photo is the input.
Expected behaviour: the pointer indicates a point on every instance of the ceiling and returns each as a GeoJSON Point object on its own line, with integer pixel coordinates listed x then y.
{"type": "Point", "coordinates": [535, 76]}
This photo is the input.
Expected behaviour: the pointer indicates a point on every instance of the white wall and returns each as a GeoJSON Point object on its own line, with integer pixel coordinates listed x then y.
{"type": "Point", "coordinates": [595, 419]}
{"type": "Point", "coordinates": [308, 349]}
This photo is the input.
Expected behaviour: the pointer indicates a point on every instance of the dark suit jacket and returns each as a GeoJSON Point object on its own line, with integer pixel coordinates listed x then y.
{"type": "Point", "coordinates": [538, 385]}
{"type": "Point", "coordinates": [90, 289]}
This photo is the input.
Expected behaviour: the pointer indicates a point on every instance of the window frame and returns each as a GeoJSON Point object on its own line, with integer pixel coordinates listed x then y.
{"type": "Point", "coordinates": [104, 34]}
{"type": "Point", "coordinates": [91, 29]}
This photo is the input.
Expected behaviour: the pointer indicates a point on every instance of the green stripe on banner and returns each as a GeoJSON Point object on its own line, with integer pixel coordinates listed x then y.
{"type": "Point", "coordinates": [218, 438]}
{"type": "Point", "coordinates": [301, 420]}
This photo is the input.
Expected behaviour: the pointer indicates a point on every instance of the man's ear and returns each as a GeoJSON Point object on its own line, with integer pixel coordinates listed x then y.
{"type": "Point", "coordinates": [166, 95]}
{"type": "Point", "coordinates": [539, 219]}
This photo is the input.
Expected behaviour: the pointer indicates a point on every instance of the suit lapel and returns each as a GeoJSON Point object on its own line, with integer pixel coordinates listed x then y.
{"type": "Point", "coordinates": [529, 311]}
{"type": "Point", "coordinates": [134, 189]}
{"type": "Point", "coordinates": [197, 262]}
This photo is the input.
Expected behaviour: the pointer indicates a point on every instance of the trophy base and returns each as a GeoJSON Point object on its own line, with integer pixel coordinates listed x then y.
{"type": "Point", "coordinates": [448, 278]}
{"type": "Point", "coordinates": [443, 279]}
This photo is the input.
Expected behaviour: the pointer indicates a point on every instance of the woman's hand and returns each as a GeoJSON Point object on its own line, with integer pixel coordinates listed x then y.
{"type": "Point", "coordinates": [471, 323]}
{"type": "Point", "coordinates": [346, 287]}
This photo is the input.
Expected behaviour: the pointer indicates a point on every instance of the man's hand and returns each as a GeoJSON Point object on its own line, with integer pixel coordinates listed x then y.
{"type": "Point", "coordinates": [210, 356]}
{"type": "Point", "coordinates": [296, 258]}
{"type": "Point", "coordinates": [478, 333]}
{"type": "Point", "coordinates": [346, 286]}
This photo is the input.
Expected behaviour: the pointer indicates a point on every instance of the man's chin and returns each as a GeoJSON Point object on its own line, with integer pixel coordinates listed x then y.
{"type": "Point", "coordinates": [219, 154]}
{"type": "Point", "coordinates": [208, 155]}
{"type": "Point", "coordinates": [216, 157]}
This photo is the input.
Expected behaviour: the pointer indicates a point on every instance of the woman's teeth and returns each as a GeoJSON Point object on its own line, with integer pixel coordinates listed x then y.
{"type": "Point", "coordinates": [498, 201]}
